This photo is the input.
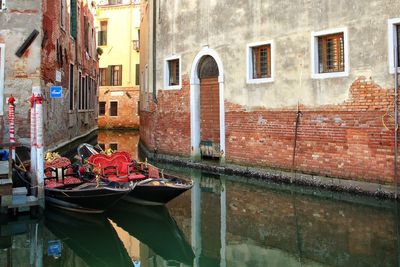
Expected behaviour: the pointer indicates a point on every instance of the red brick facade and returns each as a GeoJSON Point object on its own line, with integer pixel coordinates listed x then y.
{"type": "Point", "coordinates": [128, 114]}
{"type": "Point", "coordinates": [353, 140]}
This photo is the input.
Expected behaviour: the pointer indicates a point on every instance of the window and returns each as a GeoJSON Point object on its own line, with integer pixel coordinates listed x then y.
{"type": "Point", "coordinates": [2, 5]}
{"type": "Point", "coordinates": [113, 108]}
{"type": "Point", "coordinates": [2, 62]}
{"type": "Point", "coordinates": [71, 87]}
{"type": "Point", "coordinates": [102, 108]}
{"type": "Point", "coordinates": [172, 71]}
{"type": "Point", "coordinates": [102, 76]}
{"type": "Point", "coordinates": [260, 62]}
{"type": "Point", "coordinates": [102, 146]}
{"type": "Point", "coordinates": [173, 68]}
{"type": "Point", "coordinates": [86, 33]}
{"type": "Point", "coordinates": [80, 90]}
{"type": "Point", "coordinates": [394, 41]}
{"type": "Point", "coordinates": [329, 54]}
{"type": "Point", "coordinates": [72, 19]}
{"type": "Point", "coordinates": [116, 75]}
{"type": "Point", "coordinates": [102, 33]}
{"type": "Point", "coordinates": [62, 14]}
{"type": "Point", "coordinates": [114, 147]}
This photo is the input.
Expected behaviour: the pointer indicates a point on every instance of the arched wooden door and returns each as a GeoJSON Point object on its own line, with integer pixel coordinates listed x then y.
{"type": "Point", "coordinates": [209, 108]}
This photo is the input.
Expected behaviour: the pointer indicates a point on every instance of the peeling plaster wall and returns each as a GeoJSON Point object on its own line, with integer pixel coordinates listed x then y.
{"type": "Point", "coordinates": [228, 26]}
{"type": "Point", "coordinates": [61, 123]}
{"type": "Point", "coordinates": [16, 23]}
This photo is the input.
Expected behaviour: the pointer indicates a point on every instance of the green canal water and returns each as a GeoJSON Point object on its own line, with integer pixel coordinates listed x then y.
{"type": "Point", "coordinates": [221, 221]}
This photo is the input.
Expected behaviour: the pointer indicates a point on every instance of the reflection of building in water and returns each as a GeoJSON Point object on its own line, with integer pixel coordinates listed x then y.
{"type": "Point", "coordinates": [131, 244]}
{"type": "Point", "coordinates": [247, 225]}
{"type": "Point", "coordinates": [119, 140]}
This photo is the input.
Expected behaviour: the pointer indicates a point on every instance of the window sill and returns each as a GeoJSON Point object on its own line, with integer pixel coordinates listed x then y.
{"type": "Point", "coordinates": [261, 80]}
{"type": "Point", "coordinates": [328, 75]}
{"type": "Point", "coordinates": [391, 70]}
{"type": "Point", "coordinates": [173, 87]}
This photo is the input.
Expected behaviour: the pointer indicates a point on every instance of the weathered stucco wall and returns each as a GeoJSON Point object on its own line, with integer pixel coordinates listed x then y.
{"type": "Point", "coordinates": [227, 27]}
{"type": "Point", "coordinates": [20, 73]}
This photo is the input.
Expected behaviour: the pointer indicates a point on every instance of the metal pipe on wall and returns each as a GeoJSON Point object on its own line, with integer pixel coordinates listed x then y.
{"type": "Point", "coordinates": [396, 123]}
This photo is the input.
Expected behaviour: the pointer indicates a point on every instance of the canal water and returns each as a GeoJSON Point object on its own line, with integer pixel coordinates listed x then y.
{"type": "Point", "coordinates": [222, 221]}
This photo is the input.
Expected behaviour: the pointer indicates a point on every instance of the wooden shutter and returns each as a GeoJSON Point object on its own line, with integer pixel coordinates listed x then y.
{"type": "Point", "coordinates": [73, 29]}
{"type": "Point", "coordinates": [137, 74]}
{"type": "Point", "coordinates": [398, 43]}
{"type": "Point", "coordinates": [119, 75]}
{"type": "Point", "coordinates": [113, 108]}
{"type": "Point", "coordinates": [331, 53]}
{"type": "Point", "coordinates": [109, 76]}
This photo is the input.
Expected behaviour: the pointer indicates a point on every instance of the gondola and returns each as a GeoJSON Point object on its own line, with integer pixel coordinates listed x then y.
{"type": "Point", "coordinates": [154, 227]}
{"type": "Point", "coordinates": [72, 192]}
{"type": "Point", "coordinates": [91, 237]}
{"type": "Point", "coordinates": [152, 187]}
{"type": "Point", "coordinates": [87, 197]}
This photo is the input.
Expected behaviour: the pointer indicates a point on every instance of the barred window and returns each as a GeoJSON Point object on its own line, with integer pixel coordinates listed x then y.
{"type": "Point", "coordinates": [331, 53]}
{"type": "Point", "coordinates": [261, 56]}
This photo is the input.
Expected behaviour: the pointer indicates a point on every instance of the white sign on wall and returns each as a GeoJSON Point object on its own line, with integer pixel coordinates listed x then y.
{"type": "Point", "coordinates": [58, 76]}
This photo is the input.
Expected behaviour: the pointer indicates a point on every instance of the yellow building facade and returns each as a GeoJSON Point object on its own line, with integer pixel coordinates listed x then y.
{"type": "Point", "coordinates": [117, 27]}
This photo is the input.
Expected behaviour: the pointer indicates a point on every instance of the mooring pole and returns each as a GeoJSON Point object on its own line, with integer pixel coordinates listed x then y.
{"type": "Point", "coordinates": [11, 117]}
{"type": "Point", "coordinates": [33, 147]}
{"type": "Point", "coordinates": [39, 148]}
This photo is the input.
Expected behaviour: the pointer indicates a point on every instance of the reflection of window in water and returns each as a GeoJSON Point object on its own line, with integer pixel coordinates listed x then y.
{"type": "Point", "coordinates": [102, 146]}
{"type": "Point", "coordinates": [114, 146]}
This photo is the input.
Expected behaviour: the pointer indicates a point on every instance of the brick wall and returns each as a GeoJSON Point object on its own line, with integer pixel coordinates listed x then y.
{"type": "Point", "coordinates": [166, 126]}
{"type": "Point", "coordinates": [353, 140]}
{"type": "Point", "coordinates": [128, 114]}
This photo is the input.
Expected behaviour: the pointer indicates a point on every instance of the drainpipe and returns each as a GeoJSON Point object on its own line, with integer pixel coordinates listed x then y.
{"type": "Point", "coordinates": [396, 123]}
{"type": "Point", "coordinates": [154, 51]}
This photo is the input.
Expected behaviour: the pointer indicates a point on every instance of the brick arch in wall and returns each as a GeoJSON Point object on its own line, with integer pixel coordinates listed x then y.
{"type": "Point", "coordinates": [205, 53]}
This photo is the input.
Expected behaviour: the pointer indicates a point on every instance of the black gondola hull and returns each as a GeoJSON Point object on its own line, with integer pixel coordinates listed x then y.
{"type": "Point", "coordinates": [154, 195]}
{"type": "Point", "coordinates": [95, 200]}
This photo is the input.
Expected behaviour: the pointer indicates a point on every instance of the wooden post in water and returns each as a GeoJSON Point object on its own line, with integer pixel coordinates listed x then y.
{"type": "Point", "coordinates": [39, 148]}
{"type": "Point", "coordinates": [33, 146]}
{"type": "Point", "coordinates": [11, 117]}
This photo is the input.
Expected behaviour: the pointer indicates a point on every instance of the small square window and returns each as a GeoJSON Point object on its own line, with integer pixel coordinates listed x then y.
{"type": "Point", "coordinates": [102, 146]}
{"type": "Point", "coordinates": [113, 108]}
{"type": "Point", "coordinates": [172, 73]}
{"type": "Point", "coordinates": [329, 54]}
{"type": "Point", "coordinates": [260, 63]}
{"type": "Point", "coordinates": [114, 146]}
{"type": "Point", "coordinates": [102, 108]}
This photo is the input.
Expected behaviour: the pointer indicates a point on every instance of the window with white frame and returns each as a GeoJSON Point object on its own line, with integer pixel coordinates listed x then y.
{"type": "Point", "coordinates": [394, 43]}
{"type": "Point", "coordinates": [329, 53]}
{"type": "Point", "coordinates": [2, 62]}
{"type": "Point", "coordinates": [2, 5]}
{"type": "Point", "coordinates": [172, 73]}
{"type": "Point", "coordinates": [260, 62]}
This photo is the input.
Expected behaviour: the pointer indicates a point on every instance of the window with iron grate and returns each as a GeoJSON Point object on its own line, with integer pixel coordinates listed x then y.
{"type": "Point", "coordinates": [331, 53]}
